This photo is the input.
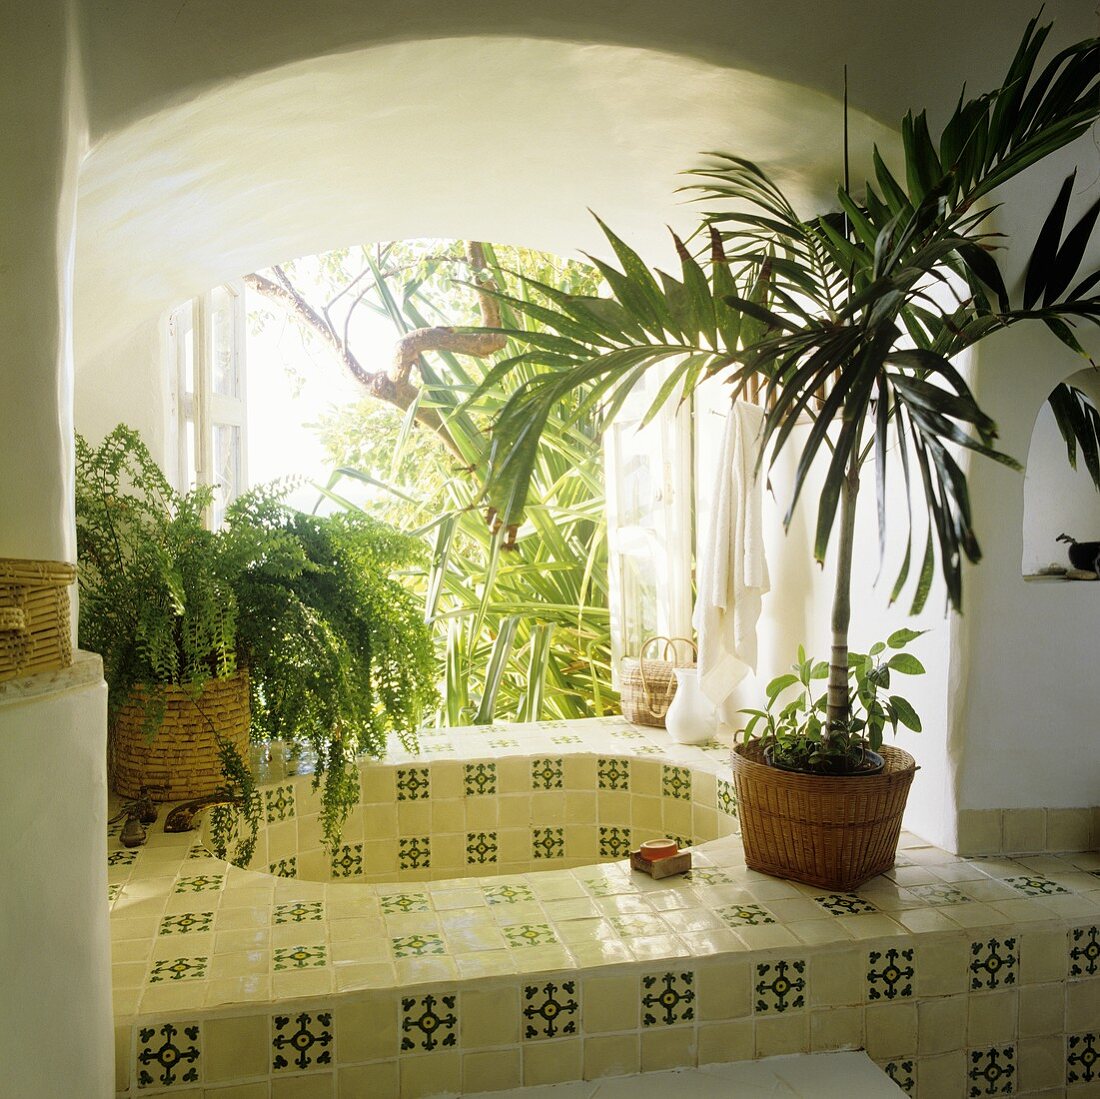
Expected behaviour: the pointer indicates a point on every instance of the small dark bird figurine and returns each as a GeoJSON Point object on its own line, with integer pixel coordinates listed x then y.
{"type": "Point", "coordinates": [1082, 555]}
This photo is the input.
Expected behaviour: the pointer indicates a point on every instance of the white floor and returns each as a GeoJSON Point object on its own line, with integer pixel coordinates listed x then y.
{"type": "Point", "coordinates": [811, 1076]}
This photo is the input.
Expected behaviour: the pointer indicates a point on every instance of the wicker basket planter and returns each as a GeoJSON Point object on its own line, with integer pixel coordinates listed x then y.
{"type": "Point", "coordinates": [183, 755]}
{"type": "Point", "coordinates": [823, 830]}
{"type": "Point", "coordinates": [35, 632]}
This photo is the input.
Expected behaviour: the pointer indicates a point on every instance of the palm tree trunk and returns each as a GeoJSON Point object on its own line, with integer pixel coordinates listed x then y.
{"type": "Point", "coordinates": [838, 710]}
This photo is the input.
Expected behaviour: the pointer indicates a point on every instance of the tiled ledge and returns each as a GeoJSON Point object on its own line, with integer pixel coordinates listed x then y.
{"type": "Point", "coordinates": [86, 670]}
{"type": "Point", "coordinates": [952, 973]}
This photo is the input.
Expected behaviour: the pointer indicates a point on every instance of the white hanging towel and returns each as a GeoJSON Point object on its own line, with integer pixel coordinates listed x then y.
{"type": "Point", "coordinates": [732, 571]}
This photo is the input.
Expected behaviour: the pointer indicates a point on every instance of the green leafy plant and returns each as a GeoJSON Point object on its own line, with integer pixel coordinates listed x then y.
{"type": "Point", "coordinates": [336, 647]}
{"type": "Point", "coordinates": [848, 321]}
{"type": "Point", "coordinates": [794, 732]}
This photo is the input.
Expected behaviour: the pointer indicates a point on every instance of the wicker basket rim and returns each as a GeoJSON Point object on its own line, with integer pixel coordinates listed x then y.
{"type": "Point", "coordinates": [176, 690]}
{"type": "Point", "coordinates": [750, 758]}
{"type": "Point", "coordinates": [28, 570]}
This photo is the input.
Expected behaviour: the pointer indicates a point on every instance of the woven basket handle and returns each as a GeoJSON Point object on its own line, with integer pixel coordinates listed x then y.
{"type": "Point", "coordinates": [669, 645]}
{"type": "Point", "coordinates": [12, 620]}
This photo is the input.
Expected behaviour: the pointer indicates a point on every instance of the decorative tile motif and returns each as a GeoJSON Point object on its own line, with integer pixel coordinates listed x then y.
{"type": "Point", "coordinates": [781, 986]}
{"type": "Point", "coordinates": [614, 842]}
{"type": "Point", "coordinates": [301, 1041]}
{"type": "Point", "coordinates": [613, 774]}
{"type": "Point", "coordinates": [417, 946]}
{"type": "Point", "coordinates": [507, 894]}
{"type": "Point", "coordinates": [529, 934]}
{"type": "Point", "coordinates": [992, 1071]}
{"type": "Point", "coordinates": [1084, 952]}
{"type": "Point", "coordinates": [648, 750]}
{"type": "Point", "coordinates": [481, 847]}
{"type": "Point", "coordinates": [676, 783]}
{"type": "Point", "coordinates": [628, 734]}
{"type": "Point", "coordinates": [299, 911]}
{"type": "Point", "coordinates": [548, 843]}
{"type": "Point", "coordinates": [347, 861]}
{"type": "Point", "coordinates": [546, 774]}
{"type": "Point", "coordinates": [480, 779]}
{"type": "Point", "coordinates": [203, 883]}
{"type": "Point", "coordinates": [186, 922]}
{"type": "Point", "coordinates": [744, 915]}
{"type": "Point", "coordinates": [938, 894]}
{"type": "Point", "coordinates": [428, 1022]}
{"type": "Point", "coordinates": [707, 875]}
{"type": "Point", "coordinates": [1035, 885]}
{"type": "Point", "coordinates": [994, 963]}
{"type": "Point", "coordinates": [198, 851]}
{"type": "Point", "coordinates": [636, 924]}
{"type": "Point", "coordinates": [404, 902]}
{"type": "Point", "coordinates": [168, 1054]}
{"type": "Point", "coordinates": [1082, 1058]}
{"type": "Point", "coordinates": [113, 893]}
{"type": "Point", "coordinates": [414, 853]}
{"type": "Point", "coordinates": [114, 828]}
{"type": "Point", "coordinates": [299, 957]}
{"type": "Point", "coordinates": [727, 799]}
{"type": "Point", "coordinates": [178, 969]}
{"type": "Point", "coordinates": [544, 1009]}
{"type": "Point", "coordinates": [279, 804]}
{"type": "Point", "coordinates": [894, 978]}
{"type": "Point", "coordinates": [683, 842]}
{"type": "Point", "coordinates": [902, 1073]}
{"type": "Point", "coordinates": [438, 747]}
{"type": "Point", "coordinates": [844, 904]}
{"type": "Point", "coordinates": [567, 738]}
{"type": "Point", "coordinates": [285, 868]}
{"type": "Point", "coordinates": [413, 783]}
{"type": "Point", "coordinates": [667, 998]}
{"type": "Point", "coordinates": [604, 887]}
{"type": "Point", "coordinates": [503, 742]}
{"type": "Point", "coordinates": [122, 857]}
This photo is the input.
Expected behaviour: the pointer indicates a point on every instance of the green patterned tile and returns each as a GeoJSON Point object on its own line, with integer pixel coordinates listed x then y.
{"type": "Point", "coordinates": [186, 923]}
{"type": "Point", "coordinates": [203, 883]}
{"type": "Point", "coordinates": [168, 1054]}
{"type": "Point", "coordinates": [299, 911]}
{"type": "Point", "coordinates": [744, 915]}
{"type": "Point", "coordinates": [113, 893]}
{"type": "Point", "coordinates": [279, 804]}
{"type": "Point", "coordinates": [613, 774]}
{"type": "Point", "coordinates": [503, 742]}
{"type": "Point", "coordinates": [548, 843]}
{"type": "Point", "coordinates": [285, 868]}
{"type": "Point", "coordinates": [727, 798]}
{"type": "Point", "coordinates": [676, 783]}
{"type": "Point", "coordinates": [198, 851]}
{"type": "Point", "coordinates": [546, 774]}
{"type": "Point", "coordinates": [481, 847]}
{"type": "Point", "coordinates": [413, 783]}
{"type": "Point", "coordinates": [301, 1040]}
{"type": "Point", "coordinates": [566, 738]}
{"type": "Point", "coordinates": [178, 969]}
{"type": "Point", "coordinates": [507, 894]}
{"type": "Point", "coordinates": [299, 957]}
{"type": "Point", "coordinates": [529, 934]}
{"type": "Point", "coordinates": [551, 1010]}
{"type": "Point", "coordinates": [414, 853]}
{"type": "Point", "coordinates": [614, 842]}
{"type": "Point", "coordinates": [122, 857]}
{"type": "Point", "coordinates": [417, 946]}
{"type": "Point", "coordinates": [668, 998]}
{"type": "Point", "coordinates": [404, 902]}
{"type": "Point", "coordinates": [347, 861]}
{"type": "Point", "coordinates": [480, 779]}
{"type": "Point", "coordinates": [429, 1022]}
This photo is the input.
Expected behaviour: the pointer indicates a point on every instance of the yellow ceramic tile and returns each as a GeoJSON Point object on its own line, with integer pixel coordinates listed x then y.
{"type": "Point", "coordinates": [304, 1087]}
{"type": "Point", "coordinates": [579, 772]}
{"type": "Point", "coordinates": [122, 1057]}
{"type": "Point", "coordinates": [140, 950]}
{"type": "Point", "coordinates": [430, 1074]}
{"type": "Point", "coordinates": [667, 1048]}
{"type": "Point", "coordinates": [378, 784]}
{"type": "Point", "coordinates": [836, 978]}
{"type": "Point", "coordinates": [548, 807]}
{"type": "Point", "coordinates": [487, 963]}
{"type": "Point", "coordinates": [489, 1017]}
{"type": "Point", "coordinates": [580, 807]}
{"type": "Point", "coordinates": [718, 941]}
{"type": "Point", "coordinates": [724, 989]}
{"type": "Point", "coordinates": [1042, 1010]}
{"type": "Point", "coordinates": [610, 1055]}
{"type": "Point", "coordinates": [922, 920]}
{"type": "Point", "coordinates": [869, 925]}
{"type": "Point", "coordinates": [723, 1042]}
{"type": "Point", "coordinates": [448, 815]}
{"type": "Point", "coordinates": [603, 953]}
{"type": "Point", "coordinates": [236, 1047]}
{"type": "Point", "coordinates": [414, 818]}
{"type": "Point", "coordinates": [657, 947]}
{"type": "Point", "coordinates": [890, 1029]}
{"type": "Point", "coordinates": [781, 1035]}
{"type": "Point", "coordinates": [552, 1062]}
{"type": "Point", "coordinates": [230, 919]}
{"type": "Point", "coordinates": [704, 823]}
{"type": "Point", "coordinates": [609, 1004]}
{"type": "Point", "coordinates": [377, 1081]}
{"type": "Point", "coordinates": [1068, 829]}
{"type": "Point", "coordinates": [238, 990]}
{"type": "Point", "coordinates": [482, 814]}
{"type": "Point", "coordinates": [941, 1076]}
{"type": "Point", "coordinates": [1041, 1064]}
{"type": "Point", "coordinates": [581, 842]}
{"type": "Point", "coordinates": [991, 1017]}
{"type": "Point", "coordinates": [447, 780]}
{"type": "Point", "coordinates": [426, 969]}
{"type": "Point", "coordinates": [243, 963]}
{"type": "Point", "coordinates": [248, 938]}
{"type": "Point", "coordinates": [239, 1091]}
{"type": "Point", "coordinates": [1082, 1007]}
{"type": "Point", "coordinates": [355, 975]}
{"type": "Point", "coordinates": [187, 995]}
{"type": "Point", "coordinates": [979, 831]}
{"type": "Point", "coordinates": [491, 1070]}
{"type": "Point", "coordinates": [836, 1028]}
{"type": "Point", "coordinates": [1024, 830]}
{"type": "Point", "coordinates": [302, 982]}
{"type": "Point", "coordinates": [513, 776]}
{"type": "Point", "coordinates": [941, 1023]}
{"type": "Point", "coordinates": [380, 821]}
{"type": "Point", "coordinates": [1043, 956]}
{"type": "Point", "coordinates": [676, 816]}
{"type": "Point", "coordinates": [515, 812]}
{"type": "Point", "coordinates": [449, 850]}
{"type": "Point", "coordinates": [366, 1029]}
{"type": "Point", "coordinates": [766, 936]}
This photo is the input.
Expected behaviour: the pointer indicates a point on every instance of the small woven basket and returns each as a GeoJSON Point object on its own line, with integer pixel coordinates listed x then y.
{"type": "Point", "coordinates": [35, 632]}
{"type": "Point", "coordinates": [182, 758]}
{"type": "Point", "coordinates": [647, 686]}
{"type": "Point", "coordinates": [831, 831]}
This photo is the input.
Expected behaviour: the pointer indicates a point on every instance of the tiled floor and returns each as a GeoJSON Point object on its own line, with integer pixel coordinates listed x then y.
{"type": "Point", "coordinates": [953, 973]}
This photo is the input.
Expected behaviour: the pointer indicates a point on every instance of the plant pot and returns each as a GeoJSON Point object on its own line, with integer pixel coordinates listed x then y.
{"type": "Point", "coordinates": [182, 758]}
{"type": "Point", "coordinates": [873, 764]}
{"type": "Point", "coordinates": [830, 831]}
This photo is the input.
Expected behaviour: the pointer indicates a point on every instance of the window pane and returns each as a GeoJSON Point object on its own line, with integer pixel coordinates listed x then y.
{"type": "Point", "coordinates": [223, 351]}
{"type": "Point", "coordinates": [227, 468]}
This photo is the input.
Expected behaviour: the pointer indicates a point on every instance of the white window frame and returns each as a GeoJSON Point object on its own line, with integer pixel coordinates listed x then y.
{"type": "Point", "coordinates": [203, 410]}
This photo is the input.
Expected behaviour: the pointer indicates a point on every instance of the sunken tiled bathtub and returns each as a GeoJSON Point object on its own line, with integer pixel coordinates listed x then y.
{"type": "Point", "coordinates": [479, 930]}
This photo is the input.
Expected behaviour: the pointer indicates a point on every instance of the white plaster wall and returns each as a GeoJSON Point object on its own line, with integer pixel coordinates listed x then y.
{"type": "Point", "coordinates": [55, 1011]}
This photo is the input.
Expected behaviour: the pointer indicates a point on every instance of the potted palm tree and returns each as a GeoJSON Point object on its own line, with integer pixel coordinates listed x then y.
{"type": "Point", "coordinates": [849, 319]}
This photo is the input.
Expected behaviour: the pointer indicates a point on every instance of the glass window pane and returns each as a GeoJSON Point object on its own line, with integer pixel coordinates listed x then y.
{"type": "Point", "coordinates": [223, 351]}
{"type": "Point", "coordinates": [227, 468]}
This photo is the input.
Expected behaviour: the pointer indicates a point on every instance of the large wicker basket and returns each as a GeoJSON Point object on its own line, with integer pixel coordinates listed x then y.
{"type": "Point", "coordinates": [35, 632]}
{"type": "Point", "coordinates": [182, 758]}
{"type": "Point", "coordinates": [834, 832]}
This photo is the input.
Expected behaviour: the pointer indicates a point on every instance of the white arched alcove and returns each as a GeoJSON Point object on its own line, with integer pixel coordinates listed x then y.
{"type": "Point", "coordinates": [1057, 498]}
